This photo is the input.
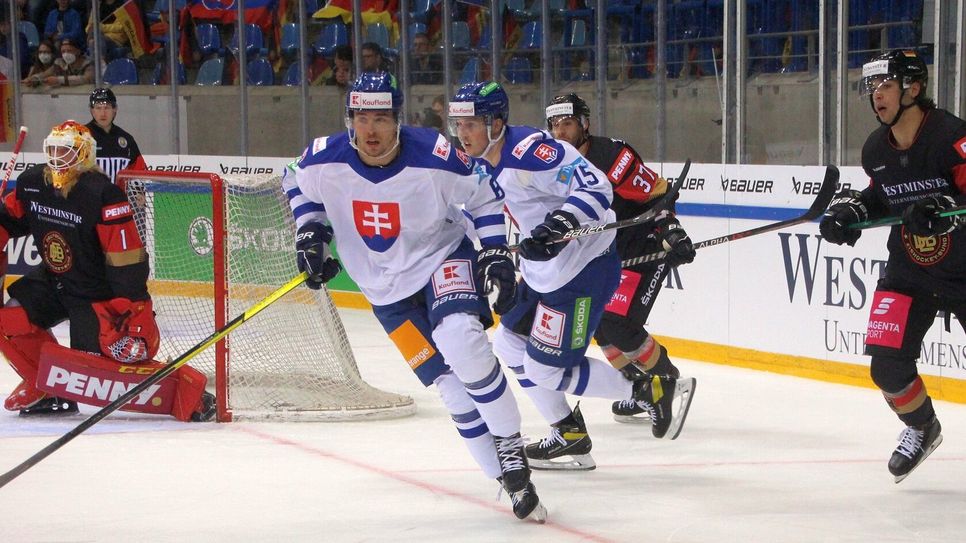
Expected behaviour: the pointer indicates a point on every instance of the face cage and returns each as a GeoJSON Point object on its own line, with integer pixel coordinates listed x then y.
{"type": "Point", "coordinates": [58, 161]}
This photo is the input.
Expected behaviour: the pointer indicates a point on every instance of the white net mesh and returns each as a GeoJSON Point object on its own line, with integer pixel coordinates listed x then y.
{"type": "Point", "coordinates": [293, 359]}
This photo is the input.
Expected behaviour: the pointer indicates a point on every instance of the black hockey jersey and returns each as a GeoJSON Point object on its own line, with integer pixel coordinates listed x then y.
{"type": "Point", "coordinates": [116, 150]}
{"type": "Point", "coordinates": [636, 187]}
{"type": "Point", "coordinates": [88, 241]}
{"type": "Point", "coordinates": [935, 164]}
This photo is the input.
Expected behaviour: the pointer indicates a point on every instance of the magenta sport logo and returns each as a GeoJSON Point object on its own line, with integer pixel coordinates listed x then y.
{"type": "Point", "coordinates": [377, 223]}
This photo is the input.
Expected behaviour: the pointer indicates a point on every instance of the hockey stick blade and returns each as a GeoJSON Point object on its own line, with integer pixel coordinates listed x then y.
{"type": "Point", "coordinates": [151, 380]}
{"type": "Point", "coordinates": [665, 201]}
{"type": "Point", "coordinates": [892, 221]}
{"type": "Point", "coordinates": [13, 158]}
{"type": "Point", "coordinates": [822, 199]}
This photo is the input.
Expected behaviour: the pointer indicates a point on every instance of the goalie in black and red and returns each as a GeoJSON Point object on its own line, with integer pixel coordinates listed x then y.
{"type": "Point", "coordinates": [916, 162]}
{"type": "Point", "coordinates": [94, 274]}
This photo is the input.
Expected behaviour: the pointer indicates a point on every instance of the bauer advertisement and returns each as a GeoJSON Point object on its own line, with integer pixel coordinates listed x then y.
{"type": "Point", "coordinates": [784, 297]}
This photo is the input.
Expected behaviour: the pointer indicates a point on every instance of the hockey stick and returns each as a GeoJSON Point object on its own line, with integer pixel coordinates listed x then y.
{"type": "Point", "coordinates": [650, 214]}
{"type": "Point", "coordinates": [822, 199]}
{"type": "Point", "coordinates": [892, 221]}
{"type": "Point", "coordinates": [13, 158]}
{"type": "Point", "coordinates": [157, 376]}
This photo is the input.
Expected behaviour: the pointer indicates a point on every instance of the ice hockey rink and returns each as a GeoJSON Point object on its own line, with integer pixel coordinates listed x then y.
{"type": "Point", "coordinates": [762, 458]}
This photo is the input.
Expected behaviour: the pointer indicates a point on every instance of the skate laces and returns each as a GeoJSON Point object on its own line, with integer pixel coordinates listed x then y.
{"type": "Point", "coordinates": [554, 438]}
{"type": "Point", "coordinates": [628, 404]}
{"type": "Point", "coordinates": [910, 441]}
{"type": "Point", "coordinates": [510, 452]}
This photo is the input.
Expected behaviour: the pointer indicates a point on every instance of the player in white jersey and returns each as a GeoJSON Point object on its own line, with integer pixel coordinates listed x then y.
{"type": "Point", "coordinates": [394, 199]}
{"type": "Point", "coordinates": [550, 189]}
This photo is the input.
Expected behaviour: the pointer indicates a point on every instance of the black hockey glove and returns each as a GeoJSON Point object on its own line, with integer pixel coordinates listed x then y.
{"type": "Point", "coordinates": [495, 263]}
{"type": "Point", "coordinates": [313, 256]}
{"type": "Point", "coordinates": [845, 209]}
{"type": "Point", "coordinates": [922, 218]}
{"type": "Point", "coordinates": [540, 245]}
{"type": "Point", "coordinates": [676, 243]}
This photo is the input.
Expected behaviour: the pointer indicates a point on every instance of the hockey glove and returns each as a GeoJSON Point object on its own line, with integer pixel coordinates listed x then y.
{"type": "Point", "coordinates": [313, 256]}
{"type": "Point", "coordinates": [845, 209]}
{"type": "Point", "coordinates": [676, 243]}
{"type": "Point", "coordinates": [495, 263]}
{"type": "Point", "coordinates": [541, 246]}
{"type": "Point", "coordinates": [128, 330]}
{"type": "Point", "coordinates": [922, 218]}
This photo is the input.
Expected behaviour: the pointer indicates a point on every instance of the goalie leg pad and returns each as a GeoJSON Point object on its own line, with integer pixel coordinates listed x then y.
{"type": "Point", "coordinates": [98, 380]}
{"type": "Point", "coordinates": [20, 343]}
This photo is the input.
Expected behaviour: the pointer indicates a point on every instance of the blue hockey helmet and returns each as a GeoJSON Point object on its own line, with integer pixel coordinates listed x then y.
{"type": "Point", "coordinates": [486, 99]}
{"type": "Point", "coordinates": [375, 91]}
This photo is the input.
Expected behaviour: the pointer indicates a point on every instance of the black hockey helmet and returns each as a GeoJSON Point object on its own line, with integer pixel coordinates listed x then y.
{"type": "Point", "coordinates": [903, 65]}
{"type": "Point", "coordinates": [568, 105]}
{"type": "Point", "coordinates": [103, 95]}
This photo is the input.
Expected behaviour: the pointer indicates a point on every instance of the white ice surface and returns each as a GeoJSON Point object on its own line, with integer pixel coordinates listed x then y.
{"type": "Point", "coordinates": [762, 458]}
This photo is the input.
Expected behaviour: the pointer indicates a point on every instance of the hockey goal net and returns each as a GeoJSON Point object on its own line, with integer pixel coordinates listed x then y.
{"type": "Point", "coordinates": [218, 245]}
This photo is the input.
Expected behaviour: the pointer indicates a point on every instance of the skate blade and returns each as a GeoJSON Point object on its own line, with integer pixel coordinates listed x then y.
{"type": "Point", "coordinates": [578, 462]}
{"type": "Point", "coordinates": [683, 391]}
{"type": "Point", "coordinates": [641, 418]}
{"type": "Point", "coordinates": [538, 515]}
{"type": "Point", "coordinates": [939, 439]}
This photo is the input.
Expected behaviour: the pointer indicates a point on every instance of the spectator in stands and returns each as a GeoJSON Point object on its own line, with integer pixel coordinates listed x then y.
{"type": "Point", "coordinates": [372, 59]}
{"type": "Point", "coordinates": [432, 120]}
{"type": "Point", "coordinates": [116, 42]}
{"type": "Point", "coordinates": [427, 65]}
{"type": "Point", "coordinates": [64, 22]}
{"type": "Point", "coordinates": [6, 46]}
{"type": "Point", "coordinates": [43, 63]}
{"type": "Point", "coordinates": [72, 68]}
{"type": "Point", "coordinates": [341, 67]}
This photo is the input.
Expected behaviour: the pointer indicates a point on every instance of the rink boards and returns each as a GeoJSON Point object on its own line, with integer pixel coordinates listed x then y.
{"type": "Point", "coordinates": [783, 301]}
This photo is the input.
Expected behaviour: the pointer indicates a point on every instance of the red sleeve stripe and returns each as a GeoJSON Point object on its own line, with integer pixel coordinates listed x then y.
{"type": "Point", "coordinates": [959, 177]}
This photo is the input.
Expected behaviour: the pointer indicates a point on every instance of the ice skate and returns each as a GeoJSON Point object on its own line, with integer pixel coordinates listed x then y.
{"type": "Point", "coordinates": [527, 506]}
{"type": "Point", "coordinates": [207, 410]}
{"type": "Point", "coordinates": [627, 411]}
{"type": "Point", "coordinates": [50, 406]}
{"type": "Point", "coordinates": [566, 448]}
{"type": "Point", "coordinates": [658, 395]}
{"type": "Point", "coordinates": [513, 463]}
{"type": "Point", "coordinates": [916, 443]}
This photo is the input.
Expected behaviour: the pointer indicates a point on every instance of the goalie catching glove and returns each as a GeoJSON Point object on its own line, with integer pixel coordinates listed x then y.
{"type": "Point", "coordinates": [922, 218]}
{"type": "Point", "coordinates": [542, 244]}
{"type": "Point", "coordinates": [847, 208]}
{"type": "Point", "coordinates": [128, 331]}
{"type": "Point", "coordinates": [495, 263]}
{"type": "Point", "coordinates": [313, 255]}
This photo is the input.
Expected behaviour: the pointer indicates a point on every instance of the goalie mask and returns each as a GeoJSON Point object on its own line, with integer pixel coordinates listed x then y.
{"type": "Point", "coordinates": [487, 101]}
{"type": "Point", "coordinates": [69, 150]}
{"type": "Point", "coordinates": [906, 67]}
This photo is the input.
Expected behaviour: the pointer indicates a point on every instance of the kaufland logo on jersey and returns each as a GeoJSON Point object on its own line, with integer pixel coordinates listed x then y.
{"type": "Point", "coordinates": [370, 100]}
{"type": "Point", "coordinates": [454, 276]}
{"type": "Point", "coordinates": [377, 223]}
{"type": "Point", "coordinates": [548, 326]}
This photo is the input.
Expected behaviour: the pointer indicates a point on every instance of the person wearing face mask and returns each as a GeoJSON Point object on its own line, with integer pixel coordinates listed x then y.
{"type": "Point", "coordinates": [72, 68]}
{"type": "Point", "coordinates": [43, 64]}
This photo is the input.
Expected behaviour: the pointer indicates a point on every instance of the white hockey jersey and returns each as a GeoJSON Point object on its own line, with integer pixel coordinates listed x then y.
{"type": "Point", "coordinates": [395, 225]}
{"type": "Point", "coordinates": [540, 174]}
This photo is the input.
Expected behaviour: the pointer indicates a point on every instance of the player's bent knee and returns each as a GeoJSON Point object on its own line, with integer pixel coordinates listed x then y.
{"type": "Point", "coordinates": [892, 373]}
{"type": "Point", "coordinates": [465, 346]}
{"type": "Point", "coordinates": [453, 394]}
{"type": "Point", "coordinates": [543, 375]}
{"type": "Point", "coordinates": [509, 346]}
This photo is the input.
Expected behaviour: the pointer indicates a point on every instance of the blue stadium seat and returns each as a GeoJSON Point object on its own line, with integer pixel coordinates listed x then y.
{"type": "Point", "coordinates": [209, 40]}
{"type": "Point", "coordinates": [121, 71]}
{"type": "Point", "coordinates": [333, 35]}
{"type": "Point", "coordinates": [532, 35]}
{"type": "Point", "coordinates": [460, 35]}
{"type": "Point", "coordinates": [290, 40]}
{"type": "Point", "coordinates": [161, 6]}
{"type": "Point", "coordinates": [254, 41]}
{"type": "Point", "coordinates": [379, 34]}
{"type": "Point", "coordinates": [161, 74]}
{"type": "Point", "coordinates": [422, 9]}
{"type": "Point", "coordinates": [211, 72]}
{"type": "Point", "coordinates": [518, 70]}
{"type": "Point", "coordinates": [292, 77]}
{"type": "Point", "coordinates": [29, 31]}
{"type": "Point", "coordinates": [471, 71]}
{"type": "Point", "coordinates": [260, 72]}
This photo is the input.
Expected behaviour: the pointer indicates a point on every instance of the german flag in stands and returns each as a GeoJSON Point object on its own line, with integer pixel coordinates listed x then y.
{"type": "Point", "coordinates": [129, 16]}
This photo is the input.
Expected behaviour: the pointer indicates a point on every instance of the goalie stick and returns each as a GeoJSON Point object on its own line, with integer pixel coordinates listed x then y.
{"type": "Point", "coordinates": [650, 214]}
{"type": "Point", "coordinates": [151, 380]}
{"type": "Point", "coordinates": [892, 221]}
{"type": "Point", "coordinates": [13, 158]}
{"type": "Point", "coordinates": [822, 199]}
